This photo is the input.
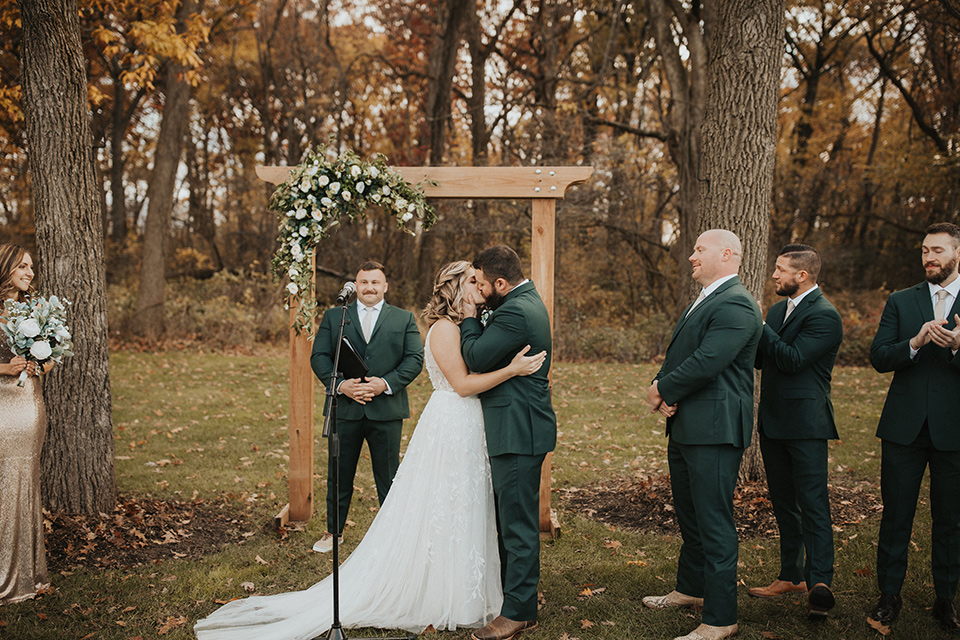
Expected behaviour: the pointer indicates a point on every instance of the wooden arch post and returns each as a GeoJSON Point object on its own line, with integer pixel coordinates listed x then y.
{"type": "Point", "coordinates": [543, 186]}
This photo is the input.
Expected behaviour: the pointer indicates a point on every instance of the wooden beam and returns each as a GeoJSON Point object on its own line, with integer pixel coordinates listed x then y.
{"type": "Point", "coordinates": [300, 479]}
{"type": "Point", "coordinates": [476, 182]}
{"type": "Point", "coordinates": [542, 272]}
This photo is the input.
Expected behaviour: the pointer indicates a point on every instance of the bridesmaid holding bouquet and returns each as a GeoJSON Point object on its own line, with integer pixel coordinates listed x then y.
{"type": "Point", "coordinates": [23, 561]}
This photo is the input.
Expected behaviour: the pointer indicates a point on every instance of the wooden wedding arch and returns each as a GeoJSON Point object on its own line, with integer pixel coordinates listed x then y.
{"type": "Point", "coordinates": [542, 186]}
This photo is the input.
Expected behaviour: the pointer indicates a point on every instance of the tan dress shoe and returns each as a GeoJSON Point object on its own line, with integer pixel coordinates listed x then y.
{"type": "Point", "coordinates": [672, 599]}
{"type": "Point", "coordinates": [503, 629]}
{"type": "Point", "coordinates": [777, 588]}
{"type": "Point", "coordinates": [709, 632]}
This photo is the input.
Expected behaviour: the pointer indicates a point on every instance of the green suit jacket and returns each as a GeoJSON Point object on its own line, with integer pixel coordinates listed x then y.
{"type": "Point", "coordinates": [797, 358]}
{"type": "Point", "coordinates": [708, 369]}
{"type": "Point", "coordinates": [518, 415]}
{"type": "Point", "coordinates": [395, 353]}
{"type": "Point", "coordinates": [923, 390]}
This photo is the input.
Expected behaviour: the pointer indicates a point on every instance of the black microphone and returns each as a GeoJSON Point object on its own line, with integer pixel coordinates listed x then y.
{"type": "Point", "coordinates": [348, 290]}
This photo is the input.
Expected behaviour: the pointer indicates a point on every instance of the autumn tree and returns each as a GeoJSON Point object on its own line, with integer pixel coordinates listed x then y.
{"type": "Point", "coordinates": [739, 137]}
{"type": "Point", "coordinates": [78, 456]}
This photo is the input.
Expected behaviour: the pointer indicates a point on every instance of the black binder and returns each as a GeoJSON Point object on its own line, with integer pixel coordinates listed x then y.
{"type": "Point", "coordinates": [351, 365]}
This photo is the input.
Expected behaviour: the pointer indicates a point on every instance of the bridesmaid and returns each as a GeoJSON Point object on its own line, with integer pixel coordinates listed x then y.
{"type": "Point", "coordinates": [23, 560]}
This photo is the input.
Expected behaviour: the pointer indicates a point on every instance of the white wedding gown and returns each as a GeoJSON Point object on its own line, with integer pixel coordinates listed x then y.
{"type": "Point", "coordinates": [430, 556]}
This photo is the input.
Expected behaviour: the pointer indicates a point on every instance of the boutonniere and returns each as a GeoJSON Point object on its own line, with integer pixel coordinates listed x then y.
{"type": "Point", "coordinates": [485, 316]}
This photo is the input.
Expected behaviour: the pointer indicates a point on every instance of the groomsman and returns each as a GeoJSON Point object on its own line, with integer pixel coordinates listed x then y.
{"type": "Point", "coordinates": [388, 340]}
{"type": "Point", "coordinates": [918, 339]}
{"type": "Point", "coordinates": [705, 390]}
{"type": "Point", "coordinates": [798, 348]}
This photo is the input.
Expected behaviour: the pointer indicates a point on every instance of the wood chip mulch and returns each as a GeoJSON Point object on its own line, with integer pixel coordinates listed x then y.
{"type": "Point", "coordinates": [646, 504]}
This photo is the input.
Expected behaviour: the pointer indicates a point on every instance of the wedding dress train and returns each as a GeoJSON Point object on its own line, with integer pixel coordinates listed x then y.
{"type": "Point", "coordinates": [429, 557]}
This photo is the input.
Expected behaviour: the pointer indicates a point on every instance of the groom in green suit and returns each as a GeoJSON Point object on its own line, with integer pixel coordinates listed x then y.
{"type": "Point", "coordinates": [797, 351]}
{"type": "Point", "coordinates": [918, 339]}
{"type": "Point", "coordinates": [520, 426]}
{"type": "Point", "coordinates": [371, 409]}
{"type": "Point", "coordinates": [705, 390]}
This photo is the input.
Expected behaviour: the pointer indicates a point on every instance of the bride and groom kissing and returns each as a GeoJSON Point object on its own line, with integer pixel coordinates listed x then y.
{"type": "Point", "coordinates": [457, 542]}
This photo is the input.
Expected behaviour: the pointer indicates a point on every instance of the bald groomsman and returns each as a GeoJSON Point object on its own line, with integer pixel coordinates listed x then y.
{"type": "Point", "coordinates": [797, 351]}
{"type": "Point", "coordinates": [705, 390]}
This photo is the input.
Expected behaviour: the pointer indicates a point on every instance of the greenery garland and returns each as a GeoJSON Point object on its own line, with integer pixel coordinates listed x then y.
{"type": "Point", "coordinates": [312, 202]}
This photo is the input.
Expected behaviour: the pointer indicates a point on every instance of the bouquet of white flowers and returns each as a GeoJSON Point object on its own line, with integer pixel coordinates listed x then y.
{"type": "Point", "coordinates": [37, 330]}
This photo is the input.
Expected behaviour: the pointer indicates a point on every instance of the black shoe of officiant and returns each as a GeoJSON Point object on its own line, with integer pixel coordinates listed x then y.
{"type": "Point", "coordinates": [946, 614]}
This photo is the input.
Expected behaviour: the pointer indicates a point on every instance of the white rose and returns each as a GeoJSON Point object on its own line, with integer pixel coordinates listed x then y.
{"type": "Point", "coordinates": [293, 288]}
{"type": "Point", "coordinates": [335, 187]}
{"type": "Point", "coordinates": [412, 208]}
{"type": "Point", "coordinates": [30, 328]}
{"type": "Point", "coordinates": [406, 217]}
{"type": "Point", "coordinates": [291, 213]}
{"type": "Point", "coordinates": [63, 333]}
{"type": "Point", "coordinates": [41, 350]}
{"type": "Point", "coordinates": [293, 273]}
{"type": "Point", "coordinates": [325, 201]}
{"type": "Point", "coordinates": [305, 185]}
{"type": "Point", "coordinates": [316, 215]}
{"type": "Point", "coordinates": [304, 231]}
{"type": "Point", "coordinates": [360, 187]}
{"type": "Point", "coordinates": [355, 171]}
{"type": "Point", "coordinates": [376, 197]}
{"type": "Point", "coordinates": [373, 172]}
{"type": "Point", "coordinates": [312, 171]}
{"type": "Point", "coordinates": [301, 213]}
{"type": "Point", "coordinates": [401, 203]}
{"type": "Point", "coordinates": [323, 181]}
{"type": "Point", "coordinates": [386, 190]}
{"type": "Point", "coordinates": [346, 196]}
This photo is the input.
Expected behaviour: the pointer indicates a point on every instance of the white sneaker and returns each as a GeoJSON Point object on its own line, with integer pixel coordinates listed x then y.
{"type": "Point", "coordinates": [325, 543]}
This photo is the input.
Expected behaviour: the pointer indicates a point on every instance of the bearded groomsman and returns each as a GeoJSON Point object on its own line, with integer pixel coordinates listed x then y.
{"type": "Point", "coordinates": [705, 390]}
{"type": "Point", "coordinates": [797, 351]}
{"type": "Point", "coordinates": [918, 339]}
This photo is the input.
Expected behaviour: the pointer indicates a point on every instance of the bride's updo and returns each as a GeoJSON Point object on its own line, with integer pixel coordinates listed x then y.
{"type": "Point", "coordinates": [447, 299]}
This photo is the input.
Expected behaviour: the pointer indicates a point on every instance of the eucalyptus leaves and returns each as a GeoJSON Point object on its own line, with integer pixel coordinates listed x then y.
{"type": "Point", "coordinates": [318, 195]}
{"type": "Point", "coordinates": [37, 330]}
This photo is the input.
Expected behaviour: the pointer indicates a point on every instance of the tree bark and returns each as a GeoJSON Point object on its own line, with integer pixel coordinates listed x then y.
{"type": "Point", "coordinates": [78, 457]}
{"type": "Point", "coordinates": [738, 139]}
{"type": "Point", "coordinates": [149, 317]}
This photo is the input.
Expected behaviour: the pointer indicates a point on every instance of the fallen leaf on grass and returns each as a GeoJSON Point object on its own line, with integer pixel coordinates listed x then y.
{"type": "Point", "coordinates": [586, 624]}
{"type": "Point", "coordinates": [770, 635]}
{"type": "Point", "coordinates": [592, 592]}
{"type": "Point", "coordinates": [171, 623]}
{"type": "Point", "coordinates": [881, 628]}
{"type": "Point", "coordinates": [863, 572]}
{"type": "Point", "coordinates": [248, 586]}
{"type": "Point", "coordinates": [261, 560]}
{"type": "Point", "coordinates": [638, 563]}
{"type": "Point", "coordinates": [428, 631]}
{"type": "Point", "coordinates": [612, 544]}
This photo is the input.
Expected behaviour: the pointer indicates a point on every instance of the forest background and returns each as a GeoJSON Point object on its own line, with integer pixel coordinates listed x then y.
{"type": "Point", "coordinates": [187, 98]}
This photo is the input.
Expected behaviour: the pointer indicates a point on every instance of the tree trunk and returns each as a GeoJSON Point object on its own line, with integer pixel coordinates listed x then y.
{"type": "Point", "coordinates": [739, 137]}
{"type": "Point", "coordinates": [78, 457]}
{"type": "Point", "coordinates": [149, 317]}
{"type": "Point", "coordinates": [440, 71]}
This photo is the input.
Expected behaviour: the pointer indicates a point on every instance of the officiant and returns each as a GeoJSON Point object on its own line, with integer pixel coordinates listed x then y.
{"type": "Point", "coordinates": [371, 408]}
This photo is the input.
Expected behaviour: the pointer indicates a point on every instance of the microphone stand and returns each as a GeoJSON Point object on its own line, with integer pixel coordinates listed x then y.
{"type": "Point", "coordinates": [331, 432]}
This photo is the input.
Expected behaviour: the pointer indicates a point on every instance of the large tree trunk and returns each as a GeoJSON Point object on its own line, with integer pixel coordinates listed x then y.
{"type": "Point", "coordinates": [78, 455]}
{"type": "Point", "coordinates": [739, 137]}
{"type": "Point", "coordinates": [149, 318]}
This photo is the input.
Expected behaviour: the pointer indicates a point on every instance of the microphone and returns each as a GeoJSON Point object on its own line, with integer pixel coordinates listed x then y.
{"type": "Point", "coordinates": [348, 290]}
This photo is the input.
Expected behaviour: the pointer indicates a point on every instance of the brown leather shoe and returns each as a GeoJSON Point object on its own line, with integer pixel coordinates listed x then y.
{"type": "Point", "coordinates": [503, 629]}
{"type": "Point", "coordinates": [777, 588]}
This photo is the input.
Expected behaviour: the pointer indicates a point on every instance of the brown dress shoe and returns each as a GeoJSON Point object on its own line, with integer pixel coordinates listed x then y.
{"type": "Point", "coordinates": [777, 588]}
{"type": "Point", "coordinates": [503, 629]}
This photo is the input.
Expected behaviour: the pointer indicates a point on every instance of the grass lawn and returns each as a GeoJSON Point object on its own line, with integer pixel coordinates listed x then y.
{"type": "Point", "coordinates": [208, 427]}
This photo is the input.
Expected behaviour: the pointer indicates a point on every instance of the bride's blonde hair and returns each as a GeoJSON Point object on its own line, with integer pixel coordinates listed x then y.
{"type": "Point", "coordinates": [447, 299]}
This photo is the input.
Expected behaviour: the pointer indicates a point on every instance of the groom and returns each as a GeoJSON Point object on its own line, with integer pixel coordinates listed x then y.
{"type": "Point", "coordinates": [520, 425]}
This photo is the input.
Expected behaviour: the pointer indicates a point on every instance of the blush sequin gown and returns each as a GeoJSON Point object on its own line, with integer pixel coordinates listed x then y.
{"type": "Point", "coordinates": [23, 423]}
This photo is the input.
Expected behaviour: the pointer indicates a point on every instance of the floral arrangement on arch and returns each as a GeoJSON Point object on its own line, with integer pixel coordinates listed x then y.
{"type": "Point", "coordinates": [318, 195]}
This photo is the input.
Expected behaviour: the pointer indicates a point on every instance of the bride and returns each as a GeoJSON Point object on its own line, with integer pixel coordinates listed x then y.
{"type": "Point", "coordinates": [430, 556]}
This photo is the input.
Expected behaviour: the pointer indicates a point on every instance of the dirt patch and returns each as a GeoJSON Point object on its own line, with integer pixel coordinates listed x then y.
{"type": "Point", "coordinates": [646, 504]}
{"type": "Point", "coordinates": [142, 531]}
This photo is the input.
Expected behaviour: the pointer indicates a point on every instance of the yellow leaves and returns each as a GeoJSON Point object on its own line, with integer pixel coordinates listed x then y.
{"type": "Point", "coordinates": [10, 103]}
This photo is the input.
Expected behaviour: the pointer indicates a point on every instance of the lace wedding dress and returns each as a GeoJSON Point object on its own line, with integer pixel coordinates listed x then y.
{"type": "Point", "coordinates": [429, 558]}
